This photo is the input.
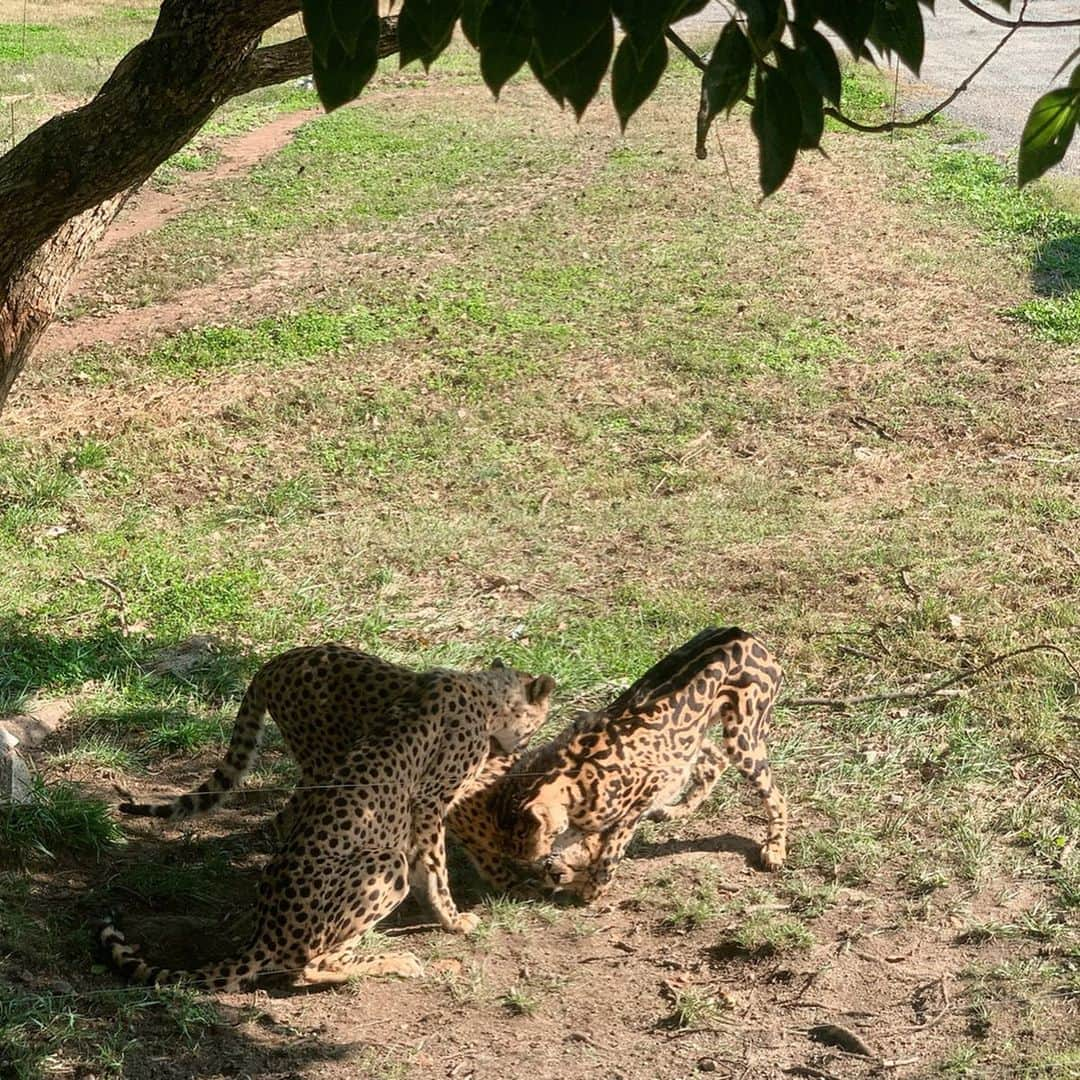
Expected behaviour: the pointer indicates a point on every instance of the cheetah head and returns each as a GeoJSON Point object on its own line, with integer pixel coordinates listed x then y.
{"type": "Point", "coordinates": [537, 826]}
{"type": "Point", "coordinates": [523, 708]}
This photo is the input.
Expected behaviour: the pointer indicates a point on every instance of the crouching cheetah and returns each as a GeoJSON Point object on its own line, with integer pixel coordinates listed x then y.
{"type": "Point", "coordinates": [355, 844]}
{"type": "Point", "coordinates": [572, 805]}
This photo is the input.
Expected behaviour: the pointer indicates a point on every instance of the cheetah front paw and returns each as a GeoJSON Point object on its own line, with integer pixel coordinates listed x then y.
{"type": "Point", "coordinates": [404, 966]}
{"type": "Point", "coordinates": [465, 923]}
{"type": "Point", "coordinates": [773, 854]}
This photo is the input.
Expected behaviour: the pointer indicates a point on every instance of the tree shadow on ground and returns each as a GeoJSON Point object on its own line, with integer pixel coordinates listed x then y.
{"type": "Point", "coordinates": [187, 900]}
{"type": "Point", "coordinates": [43, 664]}
{"type": "Point", "coordinates": [1055, 270]}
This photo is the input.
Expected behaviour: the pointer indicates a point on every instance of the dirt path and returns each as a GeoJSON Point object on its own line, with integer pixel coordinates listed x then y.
{"type": "Point", "coordinates": [149, 210]}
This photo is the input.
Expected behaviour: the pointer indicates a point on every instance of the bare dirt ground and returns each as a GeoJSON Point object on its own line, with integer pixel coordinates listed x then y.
{"type": "Point", "coordinates": [590, 992]}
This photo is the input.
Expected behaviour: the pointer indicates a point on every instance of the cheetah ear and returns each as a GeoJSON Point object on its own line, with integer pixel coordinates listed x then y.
{"type": "Point", "coordinates": [539, 689]}
{"type": "Point", "coordinates": [497, 663]}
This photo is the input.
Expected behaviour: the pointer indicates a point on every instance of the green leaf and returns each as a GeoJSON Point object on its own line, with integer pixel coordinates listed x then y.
{"type": "Point", "coordinates": [578, 79]}
{"type": "Point", "coordinates": [727, 75]}
{"type": "Point", "coordinates": [471, 10]}
{"type": "Point", "coordinates": [351, 20]}
{"type": "Point", "coordinates": [549, 82]}
{"type": "Point", "coordinates": [633, 79]}
{"type": "Point", "coordinates": [725, 79]}
{"type": "Point", "coordinates": [685, 10]}
{"type": "Point", "coordinates": [566, 28]}
{"type": "Point", "coordinates": [810, 101]}
{"type": "Point", "coordinates": [819, 62]}
{"type": "Point", "coordinates": [644, 20]}
{"type": "Point", "coordinates": [1048, 132]}
{"type": "Point", "coordinates": [765, 22]}
{"type": "Point", "coordinates": [898, 28]}
{"type": "Point", "coordinates": [425, 28]}
{"type": "Point", "coordinates": [851, 21]}
{"type": "Point", "coordinates": [340, 77]}
{"type": "Point", "coordinates": [319, 27]}
{"type": "Point", "coordinates": [777, 124]}
{"type": "Point", "coordinates": [504, 40]}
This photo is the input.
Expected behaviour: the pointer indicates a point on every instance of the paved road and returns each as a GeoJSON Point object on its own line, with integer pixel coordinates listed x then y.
{"type": "Point", "coordinates": [999, 99]}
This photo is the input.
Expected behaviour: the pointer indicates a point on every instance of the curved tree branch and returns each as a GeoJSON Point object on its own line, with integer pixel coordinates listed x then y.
{"type": "Point", "coordinates": [292, 59]}
{"type": "Point", "coordinates": [926, 117]}
{"type": "Point", "coordinates": [62, 186]}
{"type": "Point", "coordinates": [1015, 24]}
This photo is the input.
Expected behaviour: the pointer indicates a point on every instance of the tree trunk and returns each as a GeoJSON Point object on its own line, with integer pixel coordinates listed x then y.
{"type": "Point", "coordinates": [61, 187]}
{"type": "Point", "coordinates": [34, 291]}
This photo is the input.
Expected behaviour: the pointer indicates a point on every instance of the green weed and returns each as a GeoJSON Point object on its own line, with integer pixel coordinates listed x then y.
{"type": "Point", "coordinates": [694, 1008]}
{"type": "Point", "coordinates": [57, 818]}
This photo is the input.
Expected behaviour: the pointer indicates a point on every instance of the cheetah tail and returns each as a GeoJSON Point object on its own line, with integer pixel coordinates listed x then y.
{"type": "Point", "coordinates": [243, 750]}
{"type": "Point", "coordinates": [114, 950]}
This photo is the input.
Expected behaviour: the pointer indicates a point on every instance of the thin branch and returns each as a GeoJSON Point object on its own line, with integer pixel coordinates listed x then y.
{"type": "Point", "coordinates": [937, 688]}
{"type": "Point", "coordinates": [685, 49]}
{"type": "Point", "coordinates": [925, 118]}
{"type": "Point", "coordinates": [895, 125]}
{"type": "Point", "coordinates": [1016, 24]}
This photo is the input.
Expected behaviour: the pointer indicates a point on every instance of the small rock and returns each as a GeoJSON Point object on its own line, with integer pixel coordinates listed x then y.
{"type": "Point", "coordinates": [15, 783]}
{"type": "Point", "coordinates": [187, 656]}
{"type": "Point", "coordinates": [60, 986]}
{"type": "Point", "coordinates": [448, 965]}
{"type": "Point", "coordinates": [707, 1065]}
{"type": "Point", "coordinates": [42, 717]}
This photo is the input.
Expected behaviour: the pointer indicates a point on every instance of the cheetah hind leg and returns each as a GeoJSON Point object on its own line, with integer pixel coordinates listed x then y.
{"type": "Point", "coordinates": [377, 883]}
{"type": "Point", "coordinates": [342, 964]}
{"type": "Point", "coordinates": [755, 767]}
{"type": "Point", "coordinates": [708, 766]}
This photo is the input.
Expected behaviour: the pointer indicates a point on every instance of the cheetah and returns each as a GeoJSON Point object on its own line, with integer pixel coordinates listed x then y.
{"type": "Point", "coordinates": [356, 844]}
{"type": "Point", "coordinates": [570, 807]}
{"type": "Point", "coordinates": [323, 698]}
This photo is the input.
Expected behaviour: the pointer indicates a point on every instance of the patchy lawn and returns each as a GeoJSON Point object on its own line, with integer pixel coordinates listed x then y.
{"type": "Point", "coordinates": [447, 378]}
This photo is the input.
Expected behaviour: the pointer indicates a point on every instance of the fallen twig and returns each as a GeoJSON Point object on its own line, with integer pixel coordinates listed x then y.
{"type": "Point", "coordinates": [939, 1016]}
{"type": "Point", "coordinates": [937, 688]}
{"type": "Point", "coordinates": [867, 424]}
{"type": "Point", "coordinates": [910, 589]}
{"type": "Point", "coordinates": [841, 1037]}
{"type": "Point", "coordinates": [1061, 764]}
{"type": "Point", "coordinates": [811, 1071]}
{"type": "Point", "coordinates": [107, 583]}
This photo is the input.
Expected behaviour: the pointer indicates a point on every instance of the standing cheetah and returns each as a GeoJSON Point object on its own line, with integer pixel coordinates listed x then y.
{"type": "Point", "coordinates": [354, 845]}
{"type": "Point", "coordinates": [323, 698]}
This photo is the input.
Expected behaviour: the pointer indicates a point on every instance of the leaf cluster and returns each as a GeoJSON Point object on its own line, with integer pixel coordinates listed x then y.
{"type": "Point", "coordinates": [778, 58]}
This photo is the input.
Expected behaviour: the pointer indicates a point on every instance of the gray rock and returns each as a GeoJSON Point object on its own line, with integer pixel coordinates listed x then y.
{"type": "Point", "coordinates": [15, 783]}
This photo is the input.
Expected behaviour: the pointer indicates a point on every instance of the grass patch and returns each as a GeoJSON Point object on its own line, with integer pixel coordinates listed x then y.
{"type": "Point", "coordinates": [57, 819]}
{"type": "Point", "coordinates": [20, 43]}
{"type": "Point", "coordinates": [694, 1008]}
{"type": "Point", "coordinates": [271, 342]}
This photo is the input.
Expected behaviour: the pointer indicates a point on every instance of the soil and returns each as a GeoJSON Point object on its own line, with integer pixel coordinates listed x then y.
{"type": "Point", "coordinates": [602, 979]}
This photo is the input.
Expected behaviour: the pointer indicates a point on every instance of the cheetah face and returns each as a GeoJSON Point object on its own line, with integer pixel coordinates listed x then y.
{"type": "Point", "coordinates": [536, 829]}
{"type": "Point", "coordinates": [586, 882]}
{"type": "Point", "coordinates": [512, 728]}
